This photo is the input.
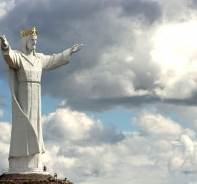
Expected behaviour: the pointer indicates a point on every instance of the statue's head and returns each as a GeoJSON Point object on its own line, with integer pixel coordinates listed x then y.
{"type": "Point", "coordinates": [28, 40]}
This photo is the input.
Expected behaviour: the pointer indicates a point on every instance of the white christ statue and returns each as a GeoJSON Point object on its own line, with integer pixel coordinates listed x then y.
{"type": "Point", "coordinates": [25, 70]}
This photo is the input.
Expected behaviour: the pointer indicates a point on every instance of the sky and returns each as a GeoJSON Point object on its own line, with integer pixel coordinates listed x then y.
{"type": "Point", "coordinates": [124, 110]}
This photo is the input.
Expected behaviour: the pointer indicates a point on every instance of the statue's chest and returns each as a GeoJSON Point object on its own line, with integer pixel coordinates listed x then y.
{"type": "Point", "coordinates": [30, 71]}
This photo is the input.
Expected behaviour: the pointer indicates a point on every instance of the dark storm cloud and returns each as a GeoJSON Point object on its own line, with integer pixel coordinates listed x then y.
{"type": "Point", "coordinates": [150, 10]}
{"type": "Point", "coordinates": [101, 105]}
{"type": "Point", "coordinates": [62, 24]}
{"type": "Point", "coordinates": [49, 18]}
{"type": "Point", "coordinates": [193, 4]}
{"type": "Point", "coordinates": [108, 103]}
{"type": "Point", "coordinates": [96, 25]}
{"type": "Point", "coordinates": [100, 26]}
{"type": "Point", "coordinates": [192, 101]}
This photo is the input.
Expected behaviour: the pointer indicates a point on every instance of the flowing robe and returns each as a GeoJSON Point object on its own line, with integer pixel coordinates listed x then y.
{"type": "Point", "coordinates": [26, 145]}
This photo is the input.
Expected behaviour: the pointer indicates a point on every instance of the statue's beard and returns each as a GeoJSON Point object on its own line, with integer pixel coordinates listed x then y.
{"type": "Point", "coordinates": [34, 52]}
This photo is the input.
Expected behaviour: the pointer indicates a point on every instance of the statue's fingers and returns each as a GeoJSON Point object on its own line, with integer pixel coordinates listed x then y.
{"type": "Point", "coordinates": [74, 46]}
{"type": "Point", "coordinates": [3, 38]}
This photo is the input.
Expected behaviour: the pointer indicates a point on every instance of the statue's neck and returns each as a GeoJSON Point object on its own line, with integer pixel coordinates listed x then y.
{"type": "Point", "coordinates": [30, 52]}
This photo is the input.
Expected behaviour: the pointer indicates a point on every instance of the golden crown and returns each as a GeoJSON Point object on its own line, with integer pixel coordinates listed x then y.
{"type": "Point", "coordinates": [28, 32]}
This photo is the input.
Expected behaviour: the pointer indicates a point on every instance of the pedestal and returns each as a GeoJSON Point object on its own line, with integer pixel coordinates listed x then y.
{"type": "Point", "coordinates": [30, 178]}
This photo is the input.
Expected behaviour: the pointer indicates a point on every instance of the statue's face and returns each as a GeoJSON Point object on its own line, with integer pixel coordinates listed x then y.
{"type": "Point", "coordinates": [31, 43]}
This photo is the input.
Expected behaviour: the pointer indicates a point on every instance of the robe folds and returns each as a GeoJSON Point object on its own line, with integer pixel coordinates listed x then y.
{"type": "Point", "coordinates": [26, 145]}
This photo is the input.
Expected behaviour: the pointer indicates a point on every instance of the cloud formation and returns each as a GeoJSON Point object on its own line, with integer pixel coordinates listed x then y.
{"type": "Point", "coordinates": [65, 124]}
{"type": "Point", "coordinates": [131, 49]}
{"type": "Point", "coordinates": [4, 144]}
{"type": "Point", "coordinates": [84, 150]}
{"type": "Point", "coordinates": [136, 54]}
{"type": "Point", "coordinates": [150, 11]}
{"type": "Point", "coordinates": [184, 161]}
{"type": "Point", "coordinates": [156, 124]}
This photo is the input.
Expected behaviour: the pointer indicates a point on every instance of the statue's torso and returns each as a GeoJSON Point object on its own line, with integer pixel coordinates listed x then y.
{"type": "Point", "coordinates": [30, 71]}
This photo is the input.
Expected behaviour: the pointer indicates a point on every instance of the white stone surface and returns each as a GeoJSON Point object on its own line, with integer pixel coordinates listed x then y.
{"type": "Point", "coordinates": [25, 70]}
{"type": "Point", "coordinates": [27, 171]}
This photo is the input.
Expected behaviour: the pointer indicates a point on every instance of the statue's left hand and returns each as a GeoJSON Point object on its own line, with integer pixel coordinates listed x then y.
{"type": "Point", "coordinates": [4, 42]}
{"type": "Point", "coordinates": [76, 48]}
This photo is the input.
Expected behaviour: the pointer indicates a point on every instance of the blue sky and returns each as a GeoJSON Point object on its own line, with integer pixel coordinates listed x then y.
{"type": "Point", "coordinates": [126, 103]}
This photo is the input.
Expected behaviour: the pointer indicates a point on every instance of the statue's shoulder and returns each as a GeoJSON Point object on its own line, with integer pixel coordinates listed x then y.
{"type": "Point", "coordinates": [19, 52]}
{"type": "Point", "coordinates": [40, 54]}
{"type": "Point", "coordinates": [22, 54]}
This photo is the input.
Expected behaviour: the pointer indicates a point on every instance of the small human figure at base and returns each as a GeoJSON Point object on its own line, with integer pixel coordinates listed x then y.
{"type": "Point", "coordinates": [55, 176]}
{"type": "Point", "coordinates": [44, 168]}
{"type": "Point", "coordinates": [50, 179]}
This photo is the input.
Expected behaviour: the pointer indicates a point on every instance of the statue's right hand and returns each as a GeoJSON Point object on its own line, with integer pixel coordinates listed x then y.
{"type": "Point", "coordinates": [4, 42]}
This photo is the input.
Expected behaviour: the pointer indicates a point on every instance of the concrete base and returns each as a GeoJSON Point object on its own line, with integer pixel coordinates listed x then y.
{"type": "Point", "coordinates": [30, 178]}
{"type": "Point", "coordinates": [26, 171]}
{"type": "Point", "coordinates": [25, 176]}
{"type": "Point", "coordinates": [42, 173]}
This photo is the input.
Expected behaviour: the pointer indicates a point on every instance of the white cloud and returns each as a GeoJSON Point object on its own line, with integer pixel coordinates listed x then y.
{"type": "Point", "coordinates": [5, 6]}
{"type": "Point", "coordinates": [75, 157]}
{"type": "Point", "coordinates": [175, 163]}
{"type": "Point", "coordinates": [5, 130]}
{"type": "Point", "coordinates": [156, 124]}
{"type": "Point", "coordinates": [65, 124]}
{"type": "Point", "coordinates": [162, 145]}
{"type": "Point", "coordinates": [184, 161]}
{"type": "Point", "coordinates": [175, 48]}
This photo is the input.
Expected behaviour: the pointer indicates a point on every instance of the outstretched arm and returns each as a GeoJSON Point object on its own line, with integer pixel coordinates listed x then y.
{"type": "Point", "coordinates": [10, 57]}
{"type": "Point", "coordinates": [57, 60]}
{"type": "Point", "coordinates": [4, 42]}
